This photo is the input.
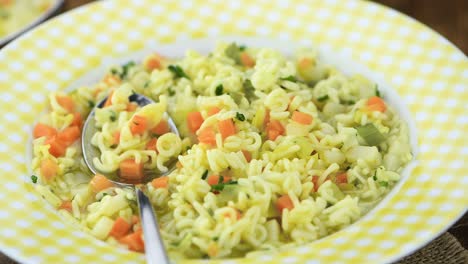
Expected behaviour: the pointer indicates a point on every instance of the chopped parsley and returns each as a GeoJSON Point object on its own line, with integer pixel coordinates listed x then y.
{"type": "Point", "coordinates": [34, 178]}
{"type": "Point", "coordinates": [125, 69]}
{"type": "Point", "coordinates": [177, 71]}
{"type": "Point", "coordinates": [370, 134]}
{"type": "Point", "coordinates": [348, 102]}
{"type": "Point", "coordinates": [171, 91]}
{"type": "Point", "coordinates": [220, 185]}
{"type": "Point", "coordinates": [290, 78]}
{"type": "Point", "coordinates": [242, 47]}
{"type": "Point", "coordinates": [91, 104]}
{"type": "Point", "coordinates": [113, 116]}
{"type": "Point", "coordinates": [205, 174]}
{"type": "Point", "coordinates": [377, 92]}
{"type": "Point", "coordinates": [215, 238]}
{"type": "Point", "coordinates": [233, 51]}
{"type": "Point", "coordinates": [219, 90]}
{"type": "Point", "coordinates": [374, 177]}
{"type": "Point", "coordinates": [323, 98]}
{"type": "Point", "coordinates": [249, 90]}
{"type": "Point", "coordinates": [383, 183]}
{"type": "Point", "coordinates": [240, 116]}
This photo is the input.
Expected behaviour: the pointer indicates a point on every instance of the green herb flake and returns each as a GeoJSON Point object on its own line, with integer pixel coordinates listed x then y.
{"type": "Point", "coordinates": [178, 71]}
{"type": "Point", "coordinates": [113, 116]}
{"type": "Point", "coordinates": [221, 179]}
{"type": "Point", "coordinates": [34, 178]}
{"type": "Point", "coordinates": [383, 183]}
{"type": "Point", "coordinates": [114, 71]}
{"type": "Point", "coordinates": [290, 78]}
{"type": "Point", "coordinates": [233, 51]}
{"type": "Point", "coordinates": [215, 238]}
{"type": "Point", "coordinates": [323, 98]}
{"type": "Point", "coordinates": [240, 116]}
{"type": "Point", "coordinates": [249, 90]}
{"type": "Point", "coordinates": [242, 47]}
{"type": "Point", "coordinates": [219, 90]}
{"type": "Point", "coordinates": [370, 134]}
{"type": "Point", "coordinates": [91, 104]}
{"type": "Point", "coordinates": [374, 177]}
{"type": "Point", "coordinates": [147, 84]}
{"type": "Point", "coordinates": [205, 174]}
{"type": "Point", "coordinates": [377, 92]}
{"type": "Point", "coordinates": [171, 91]}
{"type": "Point", "coordinates": [126, 68]}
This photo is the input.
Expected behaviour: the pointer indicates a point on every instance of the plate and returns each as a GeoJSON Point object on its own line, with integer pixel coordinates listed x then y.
{"type": "Point", "coordinates": [55, 6]}
{"type": "Point", "coordinates": [427, 72]}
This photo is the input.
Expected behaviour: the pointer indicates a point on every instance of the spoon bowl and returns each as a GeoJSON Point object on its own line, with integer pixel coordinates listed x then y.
{"type": "Point", "coordinates": [154, 247]}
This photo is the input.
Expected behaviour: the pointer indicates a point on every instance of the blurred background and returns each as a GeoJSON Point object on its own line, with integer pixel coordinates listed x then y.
{"type": "Point", "coordinates": [449, 17]}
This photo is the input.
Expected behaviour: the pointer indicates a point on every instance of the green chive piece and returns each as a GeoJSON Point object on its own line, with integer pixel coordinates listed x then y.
{"type": "Point", "coordinates": [323, 98]}
{"type": "Point", "coordinates": [205, 174]}
{"type": "Point", "coordinates": [219, 90]}
{"type": "Point", "coordinates": [240, 116]}
{"type": "Point", "coordinates": [177, 71]}
{"type": "Point", "coordinates": [34, 178]}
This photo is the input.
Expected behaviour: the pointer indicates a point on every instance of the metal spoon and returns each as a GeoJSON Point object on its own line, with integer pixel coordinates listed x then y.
{"type": "Point", "coordinates": [154, 247]}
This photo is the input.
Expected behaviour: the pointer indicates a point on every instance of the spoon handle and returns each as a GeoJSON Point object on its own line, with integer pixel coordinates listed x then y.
{"type": "Point", "coordinates": [154, 246]}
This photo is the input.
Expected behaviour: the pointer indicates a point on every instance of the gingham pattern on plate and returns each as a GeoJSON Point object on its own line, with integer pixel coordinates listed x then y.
{"type": "Point", "coordinates": [429, 74]}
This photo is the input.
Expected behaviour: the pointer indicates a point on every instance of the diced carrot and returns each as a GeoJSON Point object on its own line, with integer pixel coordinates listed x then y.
{"type": "Point", "coordinates": [212, 250]}
{"type": "Point", "coordinates": [135, 219]}
{"type": "Point", "coordinates": [49, 169]}
{"type": "Point", "coordinates": [109, 99]}
{"type": "Point", "coordinates": [315, 179]}
{"type": "Point", "coordinates": [151, 145]}
{"type": "Point", "coordinates": [69, 135]}
{"type": "Point", "coordinates": [66, 102]}
{"type": "Point", "coordinates": [302, 118]}
{"type": "Point", "coordinates": [131, 107]}
{"type": "Point", "coordinates": [77, 120]}
{"type": "Point", "coordinates": [153, 62]}
{"type": "Point", "coordinates": [120, 228]}
{"type": "Point", "coordinates": [99, 182]}
{"type": "Point", "coordinates": [112, 80]}
{"type": "Point", "coordinates": [267, 117]}
{"type": "Point", "coordinates": [161, 128]}
{"type": "Point", "coordinates": [246, 60]}
{"type": "Point", "coordinates": [42, 130]}
{"type": "Point", "coordinates": [228, 214]}
{"type": "Point", "coordinates": [247, 155]}
{"type": "Point", "coordinates": [214, 179]}
{"type": "Point", "coordinates": [341, 178]}
{"type": "Point", "coordinates": [207, 136]}
{"type": "Point", "coordinates": [116, 138]}
{"type": "Point", "coordinates": [66, 205]}
{"type": "Point", "coordinates": [194, 121]}
{"type": "Point", "coordinates": [274, 129]}
{"type": "Point", "coordinates": [226, 128]}
{"type": "Point", "coordinates": [129, 169]}
{"type": "Point", "coordinates": [376, 103]}
{"type": "Point", "coordinates": [161, 182]}
{"type": "Point", "coordinates": [138, 125]}
{"type": "Point", "coordinates": [134, 241]}
{"type": "Point", "coordinates": [213, 110]}
{"type": "Point", "coordinates": [284, 202]}
{"type": "Point", "coordinates": [57, 148]}
{"type": "Point", "coordinates": [304, 63]}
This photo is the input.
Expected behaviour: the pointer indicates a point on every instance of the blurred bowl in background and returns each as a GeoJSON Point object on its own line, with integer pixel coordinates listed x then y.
{"type": "Point", "coordinates": [15, 21]}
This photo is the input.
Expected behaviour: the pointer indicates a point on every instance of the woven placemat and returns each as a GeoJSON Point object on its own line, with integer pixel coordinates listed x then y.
{"type": "Point", "coordinates": [444, 250]}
